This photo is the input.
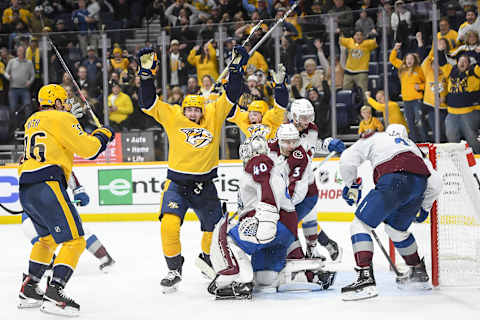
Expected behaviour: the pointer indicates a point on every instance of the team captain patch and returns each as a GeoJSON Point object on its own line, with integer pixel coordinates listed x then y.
{"type": "Point", "coordinates": [197, 137]}
{"type": "Point", "coordinates": [297, 154]}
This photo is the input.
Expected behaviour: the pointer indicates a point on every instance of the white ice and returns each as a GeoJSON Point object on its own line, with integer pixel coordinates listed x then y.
{"type": "Point", "coordinates": [132, 290]}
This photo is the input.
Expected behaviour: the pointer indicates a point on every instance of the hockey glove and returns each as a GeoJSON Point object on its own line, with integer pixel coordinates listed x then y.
{"type": "Point", "coordinates": [80, 196]}
{"type": "Point", "coordinates": [107, 132]}
{"type": "Point", "coordinates": [422, 215]}
{"type": "Point", "coordinates": [333, 144]}
{"type": "Point", "coordinates": [147, 59]}
{"type": "Point", "coordinates": [353, 194]}
{"type": "Point", "coordinates": [77, 110]}
{"type": "Point", "coordinates": [241, 59]}
{"type": "Point", "coordinates": [279, 76]}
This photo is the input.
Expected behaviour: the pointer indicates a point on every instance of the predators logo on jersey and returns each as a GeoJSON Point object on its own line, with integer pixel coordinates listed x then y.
{"type": "Point", "coordinates": [197, 137]}
{"type": "Point", "coordinates": [259, 129]}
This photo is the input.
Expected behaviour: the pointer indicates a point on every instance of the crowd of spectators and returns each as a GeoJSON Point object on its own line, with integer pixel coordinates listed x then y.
{"type": "Point", "coordinates": [193, 54]}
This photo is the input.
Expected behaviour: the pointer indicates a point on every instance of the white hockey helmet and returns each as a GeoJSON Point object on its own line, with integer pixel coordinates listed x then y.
{"type": "Point", "coordinates": [288, 137]}
{"type": "Point", "coordinates": [398, 130]}
{"type": "Point", "coordinates": [255, 145]}
{"type": "Point", "coordinates": [302, 111]}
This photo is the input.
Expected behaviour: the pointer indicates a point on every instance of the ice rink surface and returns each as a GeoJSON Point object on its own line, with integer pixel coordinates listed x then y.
{"type": "Point", "coordinates": [132, 291]}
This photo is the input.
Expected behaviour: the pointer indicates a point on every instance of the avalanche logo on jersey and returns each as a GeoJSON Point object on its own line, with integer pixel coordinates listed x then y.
{"type": "Point", "coordinates": [297, 154]}
{"type": "Point", "coordinates": [197, 137]}
{"type": "Point", "coordinates": [259, 129]}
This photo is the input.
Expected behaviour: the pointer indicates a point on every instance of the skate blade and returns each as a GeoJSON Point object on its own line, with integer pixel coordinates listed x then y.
{"type": "Point", "coordinates": [51, 308]}
{"type": "Point", "coordinates": [25, 303]}
{"type": "Point", "coordinates": [205, 268]}
{"type": "Point", "coordinates": [365, 293]}
{"type": "Point", "coordinates": [415, 286]}
{"type": "Point", "coordinates": [169, 290]}
{"type": "Point", "coordinates": [242, 297]}
{"type": "Point", "coordinates": [300, 286]}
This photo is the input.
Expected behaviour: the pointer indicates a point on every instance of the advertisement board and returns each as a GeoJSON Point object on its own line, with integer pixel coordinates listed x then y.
{"type": "Point", "coordinates": [131, 191]}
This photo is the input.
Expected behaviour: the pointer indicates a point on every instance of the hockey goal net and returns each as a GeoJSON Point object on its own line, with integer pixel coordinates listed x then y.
{"type": "Point", "coordinates": [450, 238]}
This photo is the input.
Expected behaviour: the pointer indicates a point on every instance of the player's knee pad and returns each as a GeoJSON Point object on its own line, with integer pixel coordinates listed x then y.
{"type": "Point", "coordinates": [206, 241]}
{"type": "Point", "coordinates": [357, 226]}
{"type": "Point", "coordinates": [70, 252]}
{"type": "Point", "coordinates": [396, 235]}
{"type": "Point", "coordinates": [170, 234]}
{"type": "Point", "coordinates": [266, 278]}
{"type": "Point", "coordinates": [43, 250]}
{"type": "Point", "coordinates": [29, 230]}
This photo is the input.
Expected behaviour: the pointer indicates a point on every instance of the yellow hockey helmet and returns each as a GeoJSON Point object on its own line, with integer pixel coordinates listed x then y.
{"type": "Point", "coordinates": [50, 93]}
{"type": "Point", "coordinates": [194, 101]}
{"type": "Point", "coordinates": [259, 106]}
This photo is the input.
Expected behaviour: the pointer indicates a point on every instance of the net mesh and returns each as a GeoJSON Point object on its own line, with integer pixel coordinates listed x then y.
{"type": "Point", "coordinates": [457, 218]}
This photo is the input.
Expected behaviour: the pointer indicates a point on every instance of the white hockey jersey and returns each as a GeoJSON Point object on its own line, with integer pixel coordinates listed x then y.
{"type": "Point", "coordinates": [298, 169]}
{"type": "Point", "coordinates": [386, 153]}
{"type": "Point", "coordinates": [262, 181]}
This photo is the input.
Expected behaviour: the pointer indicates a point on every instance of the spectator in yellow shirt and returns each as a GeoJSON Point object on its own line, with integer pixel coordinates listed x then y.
{"type": "Point", "coordinates": [395, 115]}
{"type": "Point", "coordinates": [12, 14]}
{"type": "Point", "coordinates": [120, 106]}
{"type": "Point", "coordinates": [118, 63]}
{"type": "Point", "coordinates": [412, 81]}
{"type": "Point", "coordinates": [368, 122]}
{"type": "Point", "coordinates": [447, 33]}
{"type": "Point", "coordinates": [356, 67]}
{"type": "Point", "coordinates": [256, 61]}
{"type": "Point", "coordinates": [204, 60]}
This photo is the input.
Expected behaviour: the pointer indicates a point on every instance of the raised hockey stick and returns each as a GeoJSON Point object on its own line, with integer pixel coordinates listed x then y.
{"type": "Point", "coordinates": [399, 274]}
{"type": "Point", "coordinates": [9, 210]}
{"type": "Point", "coordinates": [65, 67]}
{"type": "Point", "coordinates": [331, 154]}
{"type": "Point", "coordinates": [224, 72]}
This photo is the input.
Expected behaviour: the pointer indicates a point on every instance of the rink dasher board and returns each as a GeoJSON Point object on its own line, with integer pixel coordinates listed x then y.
{"type": "Point", "coordinates": [132, 191]}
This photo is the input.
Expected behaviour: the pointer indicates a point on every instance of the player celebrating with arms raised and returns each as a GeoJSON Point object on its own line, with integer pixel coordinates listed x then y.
{"type": "Point", "coordinates": [194, 136]}
{"type": "Point", "coordinates": [52, 137]}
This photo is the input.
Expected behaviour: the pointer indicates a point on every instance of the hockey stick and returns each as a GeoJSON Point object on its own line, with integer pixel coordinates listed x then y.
{"type": "Point", "coordinates": [65, 67]}
{"type": "Point", "coordinates": [331, 154]}
{"type": "Point", "coordinates": [392, 265]}
{"type": "Point", "coordinates": [224, 72]}
{"type": "Point", "coordinates": [10, 211]}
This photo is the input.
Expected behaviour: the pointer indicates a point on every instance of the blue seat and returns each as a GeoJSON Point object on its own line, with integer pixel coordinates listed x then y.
{"type": "Point", "coordinates": [373, 68]}
{"type": "Point", "coordinates": [342, 117]}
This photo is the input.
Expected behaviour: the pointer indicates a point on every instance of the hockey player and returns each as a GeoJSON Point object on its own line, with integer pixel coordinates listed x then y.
{"type": "Point", "coordinates": [259, 119]}
{"type": "Point", "coordinates": [94, 246]}
{"type": "Point", "coordinates": [51, 138]}
{"type": "Point", "coordinates": [194, 134]}
{"type": "Point", "coordinates": [404, 185]}
{"type": "Point", "coordinates": [303, 114]}
{"type": "Point", "coordinates": [267, 227]}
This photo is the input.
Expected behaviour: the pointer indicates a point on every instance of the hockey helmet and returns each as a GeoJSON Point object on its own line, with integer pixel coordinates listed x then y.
{"type": "Point", "coordinates": [288, 138]}
{"type": "Point", "coordinates": [302, 111]}
{"type": "Point", "coordinates": [253, 146]}
{"type": "Point", "coordinates": [50, 93]}
{"type": "Point", "coordinates": [396, 129]}
{"type": "Point", "coordinates": [194, 101]}
{"type": "Point", "coordinates": [259, 106]}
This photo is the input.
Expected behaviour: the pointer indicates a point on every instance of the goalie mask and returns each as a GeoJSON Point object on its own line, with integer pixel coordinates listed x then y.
{"type": "Point", "coordinates": [288, 138]}
{"type": "Point", "coordinates": [253, 146]}
{"type": "Point", "coordinates": [302, 113]}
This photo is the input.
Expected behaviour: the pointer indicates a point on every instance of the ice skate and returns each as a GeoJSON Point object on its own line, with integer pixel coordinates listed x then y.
{"type": "Point", "coordinates": [31, 296]}
{"type": "Point", "coordinates": [56, 302]}
{"type": "Point", "coordinates": [170, 282]}
{"type": "Point", "coordinates": [416, 278]}
{"type": "Point", "coordinates": [324, 279]}
{"type": "Point", "coordinates": [363, 288]}
{"type": "Point", "coordinates": [106, 264]}
{"type": "Point", "coordinates": [334, 251]}
{"type": "Point", "coordinates": [205, 265]}
{"type": "Point", "coordinates": [236, 291]}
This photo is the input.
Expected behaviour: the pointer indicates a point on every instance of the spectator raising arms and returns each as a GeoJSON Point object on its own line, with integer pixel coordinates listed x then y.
{"type": "Point", "coordinates": [395, 115]}
{"type": "Point", "coordinates": [204, 60]}
{"type": "Point", "coordinates": [412, 81]}
{"type": "Point", "coordinates": [356, 68]}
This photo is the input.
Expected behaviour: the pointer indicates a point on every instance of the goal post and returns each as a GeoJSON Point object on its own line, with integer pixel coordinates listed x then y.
{"type": "Point", "coordinates": [450, 238]}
